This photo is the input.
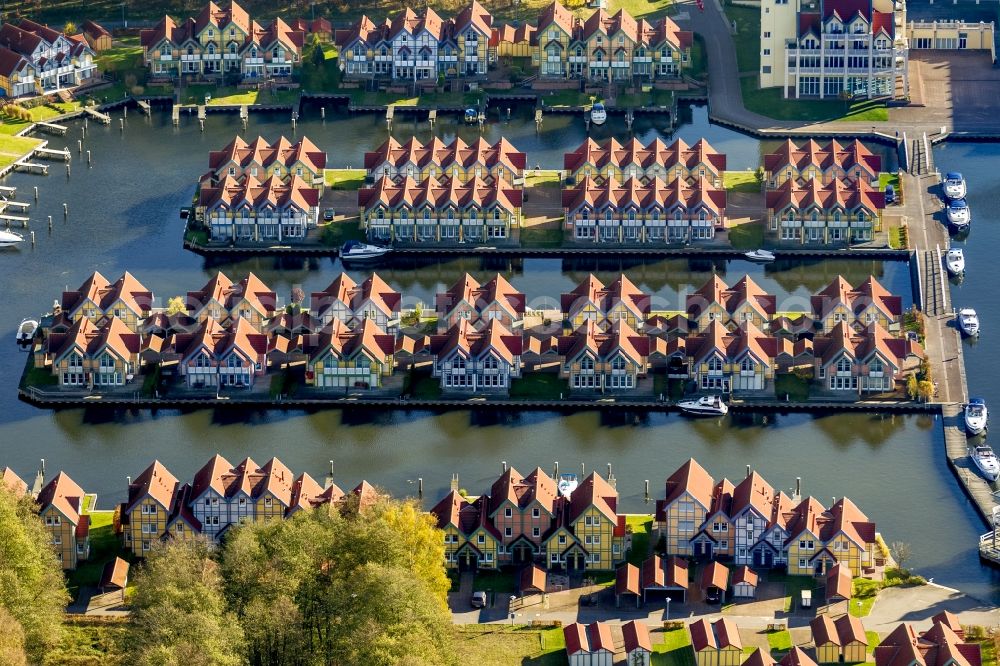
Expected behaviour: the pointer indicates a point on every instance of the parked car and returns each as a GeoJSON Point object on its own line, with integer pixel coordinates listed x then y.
{"type": "Point", "coordinates": [478, 600]}
{"type": "Point", "coordinates": [328, 215]}
{"type": "Point", "coordinates": [890, 195]}
{"type": "Point", "coordinates": [713, 595]}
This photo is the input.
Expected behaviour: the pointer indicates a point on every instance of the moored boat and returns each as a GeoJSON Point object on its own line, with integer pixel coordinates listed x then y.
{"type": "Point", "coordinates": [955, 261]}
{"type": "Point", "coordinates": [706, 405]}
{"type": "Point", "coordinates": [968, 321]}
{"type": "Point", "coordinates": [9, 238]}
{"type": "Point", "coordinates": [977, 416]}
{"type": "Point", "coordinates": [759, 255]}
{"type": "Point", "coordinates": [986, 460]}
{"type": "Point", "coordinates": [954, 186]}
{"type": "Point", "coordinates": [471, 116]}
{"type": "Point", "coordinates": [959, 214]}
{"type": "Point", "coordinates": [567, 484]}
{"type": "Point", "coordinates": [598, 114]}
{"type": "Point", "coordinates": [26, 331]}
{"type": "Point", "coordinates": [358, 251]}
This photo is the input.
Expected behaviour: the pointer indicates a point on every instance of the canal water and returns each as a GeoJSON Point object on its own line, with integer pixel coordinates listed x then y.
{"type": "Point", "coordinates": [123, 215]}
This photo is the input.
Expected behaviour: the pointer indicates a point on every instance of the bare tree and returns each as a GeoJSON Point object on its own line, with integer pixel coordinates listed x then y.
{"type": "Point", "coordinates": [901, 551]}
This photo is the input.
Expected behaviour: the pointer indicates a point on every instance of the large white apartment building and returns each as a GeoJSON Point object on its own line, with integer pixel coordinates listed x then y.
{"type": "Point", "coordinates": [834, 48]}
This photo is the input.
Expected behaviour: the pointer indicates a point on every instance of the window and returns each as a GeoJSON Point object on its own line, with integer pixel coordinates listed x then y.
{"type": "Point", "coordinates": [802, 563]}
{"type": "Point", "coordinates": [267, 501]}
{"type": "Point", "coordinates": [535, 513]}
{"type": "Point", "coordinates": [507, 532]}
{"type": "Point", "coordinates": [562, 539]}
{"type": "Point", "coordinates": [507, 513]}
{"type": "Point", "coordinates": [536, 532]}
{"type": "Point", "coordinates": [723, 545]}
{"type": "Point", "coordinates": [481, 539]}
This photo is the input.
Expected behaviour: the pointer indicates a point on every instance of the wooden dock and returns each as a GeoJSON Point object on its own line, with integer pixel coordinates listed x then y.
{"type": "Point", "coordinates": [201, 112]}
{"type": "Point", "coordinates": [20, 205]}
{"type": "Point", "coordinates": [50, 153]}
{"type": "Point", "coordinates": [175, 114]}
{"type": "Point", "coordinates": [8, 191]}
{"type": "Point", "coordinates": [32, 167]}
{"type": "Point", "coordinates": [144, 106]}
{"type": "Point", "coordinates": [97, 115]}
{"type": "Point", "coordinates": [51, 128]}
{"type": "Point", "coordinates": [20, 219]}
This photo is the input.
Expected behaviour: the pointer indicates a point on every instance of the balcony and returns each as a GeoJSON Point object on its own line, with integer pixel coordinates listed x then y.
{"type": "Point", "coordinates": [187, 58]}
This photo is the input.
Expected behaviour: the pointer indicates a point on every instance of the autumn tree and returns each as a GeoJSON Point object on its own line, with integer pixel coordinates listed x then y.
{"type": "Point", "coordinates": [176, 306]}
{"type": "Point", "coordinates": [356, 585]}
{"type": "Point", "coordinates": [179, 616]}
{"type": "Point", "coordinates": [11, 640]}
{"type": "Point", "coordinates": [32, 587]}
{"type": "Point", "coordinates": [70, 28]}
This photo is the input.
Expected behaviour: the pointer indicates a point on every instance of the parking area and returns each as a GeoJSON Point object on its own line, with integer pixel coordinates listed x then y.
{"type": "Point", "coordinates": [959, 88]}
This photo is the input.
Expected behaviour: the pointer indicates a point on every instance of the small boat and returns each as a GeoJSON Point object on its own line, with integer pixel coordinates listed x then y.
{"type": "Point", "coordinates": [358, 251]}
{"type": "Point", "coordinates": [955, 261]}
{"type": "Point", "coordinates": [959, 214]}
{"type": "Point", "coordinates": [9, 238]}
{"type": "Point", "coordinates": [977, 417]}
{"type": "Point", "coordinates": [986, 460]}
{"type": "Point", "coordinates": [706, 405]}
{"type": "Point", "coordinates": [471, 116]}
{"type": "Point", "coordinates": [598, 114]}
{"type": "Point", "coordinates": [954, 186]}
{"type": "Point", "coordinates": [567, 484]}
{"type": "Point", "coordinates": [759, 255]}
{"type": "Point", "coordinates": [26, 331]}
{"type": "Point", "coordinates": [968, 321]}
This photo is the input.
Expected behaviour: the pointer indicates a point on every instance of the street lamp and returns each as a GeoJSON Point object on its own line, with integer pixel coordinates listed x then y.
{"type": "Point", "coordinates": [668, 608]}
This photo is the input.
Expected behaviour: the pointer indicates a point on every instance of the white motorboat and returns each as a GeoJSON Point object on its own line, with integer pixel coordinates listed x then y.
{"type": "Point", "coordinates": [759, 255]}
{"type": "Point", "coordinates": [706, 405]}
{"type": "Point", "coordinates": [986, 460]}
{"type": "Point", "coordinates": [358, 251]}
{"type": "Point", "coordinates": [26, 331]}
{"type": "Point", "coordinates": [471, 116]}
{"type": "Point", "coordinates": [959, 214]}
{"type": "Point", "coordinates": [567, 484]}
{"type": "Point", "coordinates": [968, 321]}
{"type": "Point", "coordinates": [955, 261]}
{"type": "Point", "coordinates": [598, 114]}
{"type": "Point", "coordinates": [9, 238]}
{"type": "Point", "coordinates": [977, 417]}
{"type": "Point", "coordinates": [954, 186]}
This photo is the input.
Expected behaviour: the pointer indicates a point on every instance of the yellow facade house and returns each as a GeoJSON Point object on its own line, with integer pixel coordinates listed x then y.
{"type": "Point", "coordinates": [153, 498]}
{"type": "Point", "coordinates": [555, 30]}
{"type": "Point", "coordinates": [593, 519]}
{"type": "Point", "coordinates": [682, 512]}
{"type": "Point", "coordinates": [60, 506]}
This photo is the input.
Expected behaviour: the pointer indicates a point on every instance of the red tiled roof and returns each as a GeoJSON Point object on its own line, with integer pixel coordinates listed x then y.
{"type": "Point", "coordinates": [65, 495]}
{"type": "Point", "coordinates": [636, 635]}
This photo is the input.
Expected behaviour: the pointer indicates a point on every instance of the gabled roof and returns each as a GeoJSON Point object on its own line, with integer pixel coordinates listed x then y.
{"type": "Point", "coordinates": [655, 156]}
{"type": "Point", "coordinates": [753, 492]}
{"type": "Point", "coordinates": [342, 342]}
{"type": "Point", "coordinates": [693, 479]}
{"type": "Point", "coordinates": [633, 193]}
{"type": "Point", "coordinates": [636, 636]}
{"type": "Point", "coordinates": [627, 579]}
{"type": "Point", "coordinates": [497, 290]}
{"type": "Point", "coordinates": [523, 491]}
{"type": "Point", "coordinates": [745, 574]}
{"type": "Point", "coordinates": [557, 14]}
{"type": "Point", "coordinates": [824, 631]}
{"type": "Point", "coordinates": [592, 291]}
{"type": "Point", "coordinates": [104, 294]}
{"type": "Point", "coordinates": [850, 630]}
{"type": "Point", "coordinates": [825, 197]}
{"type": "Point", "coordinates": [494, 338]}
{"type": "Point", "coordinates": [88, 339]}
{"type": "Point", "coordinates": [63, 494]}
{"type": "Point", "coordinates": [474, 15]}
{"type": "Point", "coordinates": [718, 635]}
{"type": "Point", "coordinates": [437, 195]}
{"type": "Point", "coordinates": [834, 154]}
{"type": "Point", "coordinates": [259, 151]}
{"type": "Point", "coordinates": [10, 480]}
{"type": "Point", "coordinates": [272, 193]}
{"type": "Point", "coordinates": [591, 340]}
{"type": "Point", "coordinates": [839, 583]}
{"type": "Point", "coordinates": [715, 575]}
{"type": "Point", "coordinates": [759, 657]}
{"type": "Point", "coordinates": [595, 492]}
{"type": "Point", "coordinates": [156, 482]}
{"type": "Point", "coordinates": [115, 574]}
{"type": "Point", "coordinates": [532, 579]}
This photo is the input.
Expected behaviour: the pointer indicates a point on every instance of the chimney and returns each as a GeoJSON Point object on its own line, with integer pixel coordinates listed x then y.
{"type": "Point", "coordinates": [748, 470]}
{"type": "Point", "coordinates": [555, 472]}
{"type": "Point", "coordinates": [798, 487]}
{"type": "Point", "coordinates": [503, 466]}
{"type": "Point", "coordinates": [128, 481]}
{"type": "Point", "coordinates": [454, 481]}
{"type": "Point", "coordinates": [329, 478]}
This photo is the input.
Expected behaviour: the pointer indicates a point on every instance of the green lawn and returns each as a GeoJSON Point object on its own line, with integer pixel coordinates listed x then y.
{"type": "Point", "coordinates": [10, 127]}
{"type": "Point", "coordinates": [320, 71]}
{"type": "Point", "coordinates": [540, 177]}
{"type": "Point", "coordinates": [538, 386]}
{"type": "Point", "coordinates": [500, 582]}
{"type": "Point", "coordinates": [104, 546]}
{"type": "Point", "coordinates": [787, 383]}
{"type": "Point", "coordinates": [335, 234]}
{"type": "Point", "coordinates": [502, 645]}
{"type": "Point", "coordinates": [88, 641]}
{"type": "Point", "coordinates": [567, 98]}
{"type": "Point", "coordinates": [779, 642]}
{"type": "Point", "coordinates": [874, 640]}
{"type": "Point", "coordinates": [888, 179]}
{"type": "Point", "coordinates": [344, 179]}
{"type": "Point", "coordinates": [641, 526]}
{"type": "Point", "coordinates": [770, 103]}
{"type": "Point", "coordinates": [699, 59]}
{"type": "Point", "coordinates": [793, 587]}
{"type": "Point", "coordinates": [747, 236]}
{"type": "Point", "coordinates": [647, 9]}
{"type": "Point", "coordinates": [420, 385]}
{"type": "Point", "coordinates": [747, 37]}
{"type": "Point", "coordinates": [123, 58]}
{"type": "Point", "coordinates": [675, 650]}
{"type": "Point", "coordinates": [741, 181]}
{"type": "Point", "coordinates": [640, 99]}
{"type": "Point", "coordinates": [13, 148]}
{"type": "Point", "coordinates": [536, 237]}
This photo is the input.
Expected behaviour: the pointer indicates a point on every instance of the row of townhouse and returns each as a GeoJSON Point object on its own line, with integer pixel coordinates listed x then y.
{"type": "Point", "coordinates": [261, 191]}
{"type": "Point", "coordinates": [753, 523]}
{"type": "Point", "coordinates": [457, 161]}
{"type": "Point", "coordinates": [416, 46]}
{"type": "Point", "coordinates": [229, 334]}
{"type": "Point", "coordinates": [835, 48]}
{"type": "Point", "coordinates": [222, 496]}
{"type": "Point", "coordinates": [36, 59]}
{"type": "Point", "coordinates": [434, 211]}
{"type": "Point", "coordinates": [62, 509]}
{"type": "Point", "coordinates": [823, 194]}
{"type": "Point", "coordinates": [613, 160]}
{"type": "Point", "coordinates": [525, 519]}
{"type": "Point", "coordinates": [606, 47]}
{"type": "Point", "coordinates": [222, 39]}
